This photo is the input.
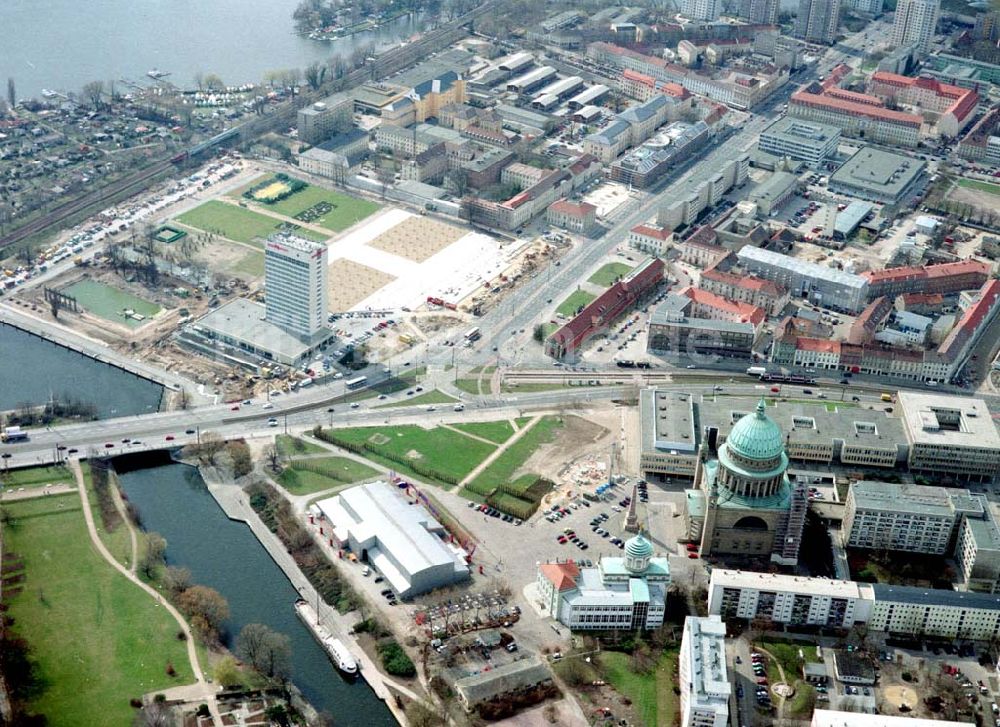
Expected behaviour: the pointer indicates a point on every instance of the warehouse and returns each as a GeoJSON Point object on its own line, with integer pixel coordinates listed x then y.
{"type": "Point", "coordinates": [878, 176]}
{"type": "Point", "coordinates": [402, 541]}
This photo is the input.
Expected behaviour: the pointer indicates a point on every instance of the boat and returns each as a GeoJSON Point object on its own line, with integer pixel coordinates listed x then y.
{"type": "Point", "coordinates": [334, 647]}
{"type": "Point", "coordinates": [157, 74]}
{"type": "Point", "coordinates": [49, 94]}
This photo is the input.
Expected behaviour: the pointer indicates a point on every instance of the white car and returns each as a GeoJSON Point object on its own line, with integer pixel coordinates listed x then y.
{"type": "Point", "coordinates": [267, 405]}
{"type": "Point", "coordinates": [272, 422]}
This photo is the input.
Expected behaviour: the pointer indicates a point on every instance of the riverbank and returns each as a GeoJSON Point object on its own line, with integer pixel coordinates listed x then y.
{"type": "Point", "coordinates": [233, 502]}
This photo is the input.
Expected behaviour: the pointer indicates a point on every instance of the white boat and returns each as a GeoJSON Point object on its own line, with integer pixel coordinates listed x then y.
{"type": "Point", "coordinates": [49, 94]}
{"type": "Point", "coordinates": [334, 647]}
{"type": "Point", "coordinates": [157, 74]}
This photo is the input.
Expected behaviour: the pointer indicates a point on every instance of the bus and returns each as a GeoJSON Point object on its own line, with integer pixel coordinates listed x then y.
{"type": "Point", "coordinates": [473, 335]}
{"type": "Point", "coordinates": [357, 383]}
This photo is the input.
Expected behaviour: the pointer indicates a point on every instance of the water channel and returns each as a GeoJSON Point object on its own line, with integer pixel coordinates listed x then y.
{"type": "Point", "coordinates": [173, 501]}
{"type": "Point", "coordinates": [33, 370]}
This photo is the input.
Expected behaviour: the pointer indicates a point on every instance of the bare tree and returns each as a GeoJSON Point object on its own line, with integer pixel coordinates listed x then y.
{"type": "Point", "coordinates": [272, 458]}
{"type": "Point", "coordinates": [154, 714]}
{"type": "Point", "coordinates": [199, 80]}
{"type": "Point", "coordinates": [152, 556]}
{"type": "Point", "coordinates": [176, 579]}
{"type": "Point", "coordinates": [267, 651]}
{"type": "Point", "coordinates": [315, 74]}
{"type": "Point", "coordinates": [11, 94]}
{"type": "Point", "coordinates": [94, 92]}
{"type": "Point", "coordinates": [213, 82]}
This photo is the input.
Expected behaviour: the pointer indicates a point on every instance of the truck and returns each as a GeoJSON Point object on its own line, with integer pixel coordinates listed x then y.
{"type": "Point", "coordinates": [756, 371]}
{"type": "Point", "coordinates": [13, 434]}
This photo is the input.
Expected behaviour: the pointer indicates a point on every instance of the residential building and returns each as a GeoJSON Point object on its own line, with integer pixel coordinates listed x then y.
{"type": "Point", "coordinates": [321, 120]}
{"type": "Point", "coordinates": [429, 166]}
{"type": "Point", "coordinates": [522, 175]}
{"type": "Point", "coordinates": [704, 683]}
{"type": "Point", "coordinates": [335, 157]}
{"type": "Point", "coordinates": [606, 308]}
{"type": "Point", "coordinates": [817, 20]}
{"type": "Point", "coordinates": [650, 239]}
{"type": "Point", "coordinates": [645, 165]}
{"type": "Point", "coordinates": [629, 128]}
{"type": "Point", "coordinates": [759, 12]}
{"type": "Point", "coordinates": [580, 217]}
{"type": "Point", "coordinates": [822, 285]}
{"type": "Point", "coordinates": [295, 285]}
{"type": "Point", "coordinates": [878, 176]}
{"type": "Point", "coordinates": [702, 250]}
{"type": "Point", "coordinates": [943, 278]}
{"type": "Point", "coordinates": [830, 718]}
{"type": "Point", "coordinates": [907, 518]}
{"type": "Point", "coordinates": [950, 436]}
{"type": "Point", "coordinates": [701, 9]}
{"type": "Point", "coordinates": [855, 114]}
{"type": "Point", "coordinates": [807, 141]}
{"type": "Point", "coordinates": [978, 551]}
{"type": "Point", "coordinates": [872, 7]}
{"type": "Point", "coordinates": [951, 108]}
{"type": "Point", "coordinates": [396, 535]}
{"type": "Point", "coordinates": [743, 502]}
{"type": "Point", "coordinates": [787, 599]}
{"type": "Point", "coordinates": [982, 143]}
{"type": "Point", "coordinates": [916, 23]}
{"type": "Point", "coordinates": [935, 612]}
{"type": "Point", "coordinates": [626, 593]}
{"type": "Point", "coordinates": [706, 193]}
{"type": "Point", "coordinates": [745, 289]}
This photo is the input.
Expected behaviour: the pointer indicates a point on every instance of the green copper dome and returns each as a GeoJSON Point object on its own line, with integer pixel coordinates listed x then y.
{"type": "Point", "coordinates": [756, 436]}
{"type": "Point", "coordinates": [638, 547]}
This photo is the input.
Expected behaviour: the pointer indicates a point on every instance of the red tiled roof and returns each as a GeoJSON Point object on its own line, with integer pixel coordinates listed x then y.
{"type": "Point", "coordinates": [973, 317]}
{"type": "Point", "coordinates": [658, 233]}
{"type": "Point", "coordinates": [806, 98]}
{"type": "Point", "coordinates": [562, 575]}
{"type": "Point", "coordinates": [743, 281]}
{"type": "Point", "coordinates": [965, 99]}
{"type": "Point", "coordinates": [573, 209]}
{"type": "Point", "coordinates": [819, 345]}
{"type": "Point", "coordinates": [922, 299]}
{"type": "Point", "coordinates": [943, 270]}
{"type": "Point", "coordinates": [741, 312]}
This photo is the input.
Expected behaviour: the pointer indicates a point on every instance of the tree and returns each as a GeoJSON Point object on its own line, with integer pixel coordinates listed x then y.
{"type": "Point", "coordinates": [176, 579]}
{"type": "Point", "coordinates": [155, 714]}
{"type": "Point", "coordinates": [11, 93]}
{"type": "Point", "coordinates": [205, 608]}
{"type": "Point", "coordinates": [227, 673]}
{"type": "Point", "coordinates": [419, 714]}
{"type": "Point", "coordinates": [239, 452]}
{"type": "Point", "coordinates": [315, 75]}
{"type": "Point", "coordinates": [213, 82]}
{"type": "Point", "coordinates": [267, 651]}
{"type": "Point", "coordinates": [93, 92]}
{"type": "Point", "coordinates": [152, 556]}
{"type": "Point", "coordinates": [272, 458]}
{"type": "Point", "coordinates": [199, 80]}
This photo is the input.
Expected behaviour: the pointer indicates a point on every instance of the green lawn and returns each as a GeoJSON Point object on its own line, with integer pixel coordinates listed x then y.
{"type": "Point", "coordinates": [110, 303]}
{"type": "Point", "coordinates": [787, 653]}
{"type": "Point", "coordinates": [609, 274]}
{"type": "Point", "coordinates": [981, 186]}
{"type": "Point", "coordinates": [504, 466]}
{"type": "Point", "coordinates": [576, 300]}
{"type": "Point", "coordinates": [36, 476]}
{"type": "Point", "coordinates": [427, 398]}
{"type": "Point", "coordinates": [471, 386]}
{"type": "Point", "coordinates": [440, 449]}
{"type": "Point", "coordinates": [651, 694]}
{"type": "Point", "coordinates": [346, 210]}
{"type": "Point", "coordinates": [98, 639]}
{"type": "Point", "coordinates": [498, 432]}
{"type": "Point", "coordinates": [289, 446]}
{"type": "Point", "coordinates": [117, 541]}
{"type": "Point", "coordinates": [305, 476]}
{"type": "Point", "coordinates": [236, 223]}
{"type": "Point", "coordinates": [513, 388]}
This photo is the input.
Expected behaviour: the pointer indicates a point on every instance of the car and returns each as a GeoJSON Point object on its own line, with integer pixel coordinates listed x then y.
{"type": "Point", "coordinates": [355, 405]}
{"type": "Point", "coordinates": [693, 556]}
{"type": "Point", "coordinates": [186, 431]}
{"type": "Point", "coordinates": [329, 410]}
{"type": "Point", "coordinates": [267, 405]}
{"type": "Point", "coordinates": [73, 450]}
{"type": "Point", "coordinates": [109, 445]}
{"type": "Point", "coordinates": [386, 592]}
{"type": "Point", "coordinates": [234, 407]}
{"type": "Point", "coordinates": [272, 422]}
{"type": "Point", "coordinates": [561, 539]}
{"type": "Point", "coordinates": [382, 397]}
{"type": "Point", "coordinates": [690, 366]}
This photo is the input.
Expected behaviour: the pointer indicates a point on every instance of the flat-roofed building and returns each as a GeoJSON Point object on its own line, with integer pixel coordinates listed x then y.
{"type": "Point", "coordinates": [909, 611]}
{"type": "Point", "coordinates": [830, 718]}
{"type": "Point", "coordinates": [670, 432]}
{"type": "Point", "coordinates": [908, 518]}
{"type": "Point", "coordinates": [787, 599]}
{"type": "Point", "coordinates": [704, 682]}
{"type": "Point", "coordinates": [978, 552]}
{"type": "Point", "coordinates": [807, 141]}
{"type": "Point", "coordinates": [321, 120]}
{"type": "Point", "coordinates": [950, 436]}
{"type": "Point", "coordinates": [397, 536]}
{"type": "Point", "coordinates": [822, 285]}
{"type": "Point", "coordinates": [878, 176]}
{"type": "Point", "coordinates": [771, 194]}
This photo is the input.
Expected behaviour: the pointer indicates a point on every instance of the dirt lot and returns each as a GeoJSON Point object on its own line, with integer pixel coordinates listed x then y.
{"type": "Point", "coordinates": [417, 238]}
{"type": "Point", "coordinates": [231, 259]}
{"type": "Point", "coordinates": [349, 283]}
{"type": "Point", "coordinates": [975, 197]}
{"type": "Point", "coordinates": [577, 437]}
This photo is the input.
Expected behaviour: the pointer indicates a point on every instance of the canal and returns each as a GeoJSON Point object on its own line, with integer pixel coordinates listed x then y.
{"type": "Point", "coordinates": [35, 370]}
{"type": "Point", "coordinates": [173, 501]}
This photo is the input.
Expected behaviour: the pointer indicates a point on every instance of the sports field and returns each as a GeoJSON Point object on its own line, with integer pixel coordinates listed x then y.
{"type": "Point", "coordinates": [110, 303]}
{"type": "Point", "coordinates": [98, 639]}
{"type": "Point", "coordinates": [237, 223]}
{"type": "Point", "coordinates": [609, 274]}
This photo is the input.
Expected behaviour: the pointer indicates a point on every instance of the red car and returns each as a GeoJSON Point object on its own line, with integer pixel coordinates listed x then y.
{"type": "Point", "coordinates": [693, 556]}
{"type": "Point", "coordinates": [775, 389]}
{"type": "Point", "coordinates": [235, 407]}
{"type": "Point", "coordinates": [562, 539]}
{"type": "Point", "coordinates": [691, 547]}
{"type": "Point", "coordinates": [170, 437]}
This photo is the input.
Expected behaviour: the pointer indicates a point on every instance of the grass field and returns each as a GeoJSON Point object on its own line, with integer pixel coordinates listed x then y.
{"type": "Point", "coordinates": [97, 638]}
{"type": "Point", "coordinates": [498, 432]}
{"type": "Point", "coordinates": [471, 386]}
{"type": "Point", "coordinates": [609, 274]}
{"type": "Point", "coordinates": [504, 466]}
{"type": "Point", "coordinates": [250, 264]}
{"type": "Point", "coordinates": [36, 477]}
{"type": "Point", "coordinates": [981, 186]}
{"type": "Point", "coordinates": [788, 655]}
{"type": "Point", "coordinates": [427, 398]}
{"type": "Point", "coordinates": [441, 449]}
{"type": "Point", "coordinates": [651, 694]}
{"type": "Point", "coordinates": [346, 210]}
{"type": "Point", "coordinates": [289, 446]}
{"type": "Point", "coordinates": [109, 303]}
{"type": "Point", "coordinates": [236, 223]}
{"type": "Point", "coordinates": [576, 300]}
{"type": "Point", "coordinates": [306, 476]}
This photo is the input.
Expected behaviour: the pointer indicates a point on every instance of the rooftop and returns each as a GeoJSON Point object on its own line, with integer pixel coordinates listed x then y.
{"type": "Point", "coordinates": [830, 718]}
{"type": "Point", "coordinates": [934, 597]}
{"type": "Point", "coordinates": [799, 130]}
{"type": "Point", "coordinates": [722, 577]}
{"type": "Point", "coordinates": [915, 499]}
{"type": "Point", "coordinates": [801, 267]}
{"type": "Point", "coordinates": [243, 320]}
{"type": "Point", "coordinates": [881, 171]}
{"type": "Point", "coordinates": [942, 420]}
{"type": "Point", "coordinates": [675, 426]}
{"type": "Point", "coordinates": [706, 639]}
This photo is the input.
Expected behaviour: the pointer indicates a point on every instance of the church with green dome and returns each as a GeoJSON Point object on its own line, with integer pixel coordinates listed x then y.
{"type": "Point", "coordinates": [742, 503]}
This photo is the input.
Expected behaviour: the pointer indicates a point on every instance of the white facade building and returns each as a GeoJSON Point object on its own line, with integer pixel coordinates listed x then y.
{"type": "Point", "coordinates": [916, 23]}
{"type": "Point", "coordinates": [705, 687]}
{"type": "Point", "coordinates": [822, 285]}
{"type": "Point", "coordinates": [701, 9]}
{"type": "Point", "coordinates": [830, 718]}
{"type": "Point", "coordinates": [295, 285]}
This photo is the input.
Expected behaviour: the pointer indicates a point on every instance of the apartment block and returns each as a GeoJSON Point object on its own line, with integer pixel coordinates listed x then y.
{"type": "Point", "coordinates": [704, 682]}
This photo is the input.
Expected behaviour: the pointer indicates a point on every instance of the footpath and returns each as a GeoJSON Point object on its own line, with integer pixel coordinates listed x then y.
{"type": "Point", "coordinates": [235, 505]}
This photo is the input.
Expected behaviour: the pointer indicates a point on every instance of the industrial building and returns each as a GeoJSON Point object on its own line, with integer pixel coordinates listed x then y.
{"type": "Point", "coordinates": [704, 683]}
{"type": "Point", "coordinates": [531, 80]}
{"type": "Point", "coordinates": [626, 593]}
{"type": "Point", "coordinates": [806, 141]}
{"type": "Point", "coordinates": [400, 539]}
{"type": "Point", "coordinates": [950, 436]}
{"type": "Point", "coordinates": [821, 285]}
{"type": "Point", "coordinates": [878, 176]}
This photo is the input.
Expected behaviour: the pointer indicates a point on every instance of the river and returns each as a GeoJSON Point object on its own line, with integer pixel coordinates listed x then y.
{"type": "Point", "coordinates": [34, 370]}
{"type": "Point", "coordinates": [173, 501]}
{"type": "Point", "coordinates": [63, 44]}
